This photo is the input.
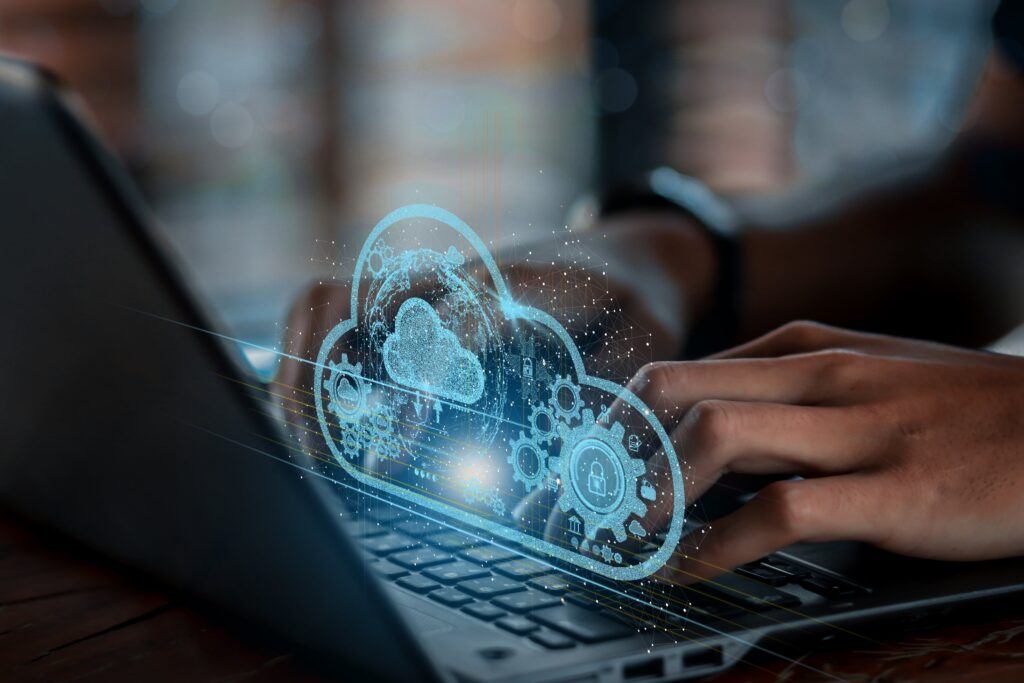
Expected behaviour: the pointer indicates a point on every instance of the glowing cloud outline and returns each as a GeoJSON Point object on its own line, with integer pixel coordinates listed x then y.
{"type": "Point", "coordinates": [512, 310]}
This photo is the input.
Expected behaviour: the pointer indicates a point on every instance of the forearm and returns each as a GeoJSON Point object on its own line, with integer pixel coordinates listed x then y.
{"type": "Point", "coordinates": [921, 257]}
{"type": "Point", "coordinates": [925, 255]}
{"type": "Point", "coordinates": [842, 261]}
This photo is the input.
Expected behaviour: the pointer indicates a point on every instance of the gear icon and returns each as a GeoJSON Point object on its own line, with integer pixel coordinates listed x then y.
{"type": "Point", "coordinates": [350, 442]}
{"type": "Point", "coordinates": [543, 425]}
{"type": "Point", "coordinates": [380, 434]}
{"type": "Point", "coordinates": [599, 478]}
{"type": "Point", "coordinates": [529, 462]}
{"type": "Point", "coordinates": [346, 390]}
{"type": "Point", "coordinates": [393, 449]}
{"type": "Point", "coordinates": [497, 504]}
{"type": "Point", "coordinates": [377, 260]}
{"type": "Point", "coordinates": [562, 389]}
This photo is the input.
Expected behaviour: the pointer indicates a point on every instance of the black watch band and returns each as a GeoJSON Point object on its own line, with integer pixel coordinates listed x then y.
{"type": "Point", "coordinates": [665, 188]}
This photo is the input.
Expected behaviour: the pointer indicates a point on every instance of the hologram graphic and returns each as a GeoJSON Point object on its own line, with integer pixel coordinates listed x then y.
{"type": "Point", "coordinates": [441, 389]}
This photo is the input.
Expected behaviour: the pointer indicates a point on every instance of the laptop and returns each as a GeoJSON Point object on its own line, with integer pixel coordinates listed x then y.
{"type": "Point", "coordinates": [133, 425]}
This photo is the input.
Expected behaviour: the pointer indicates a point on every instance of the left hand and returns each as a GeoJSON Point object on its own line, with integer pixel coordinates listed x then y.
{"type": "Point", "coordinates": [915, 447]}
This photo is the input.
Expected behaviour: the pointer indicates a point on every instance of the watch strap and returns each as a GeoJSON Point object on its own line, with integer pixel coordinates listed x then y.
{"type": "Point", "coordinates": [665, 188]}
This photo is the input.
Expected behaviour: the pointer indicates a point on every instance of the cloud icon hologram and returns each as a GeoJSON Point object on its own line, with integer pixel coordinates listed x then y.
{"type": "Point", "coordinates": [422, 354]}
{"type": "Point", "coordinates": [471, 402]}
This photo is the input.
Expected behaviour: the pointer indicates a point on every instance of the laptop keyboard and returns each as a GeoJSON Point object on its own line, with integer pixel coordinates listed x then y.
{"type": "Point", "coordinates": [529, 599]}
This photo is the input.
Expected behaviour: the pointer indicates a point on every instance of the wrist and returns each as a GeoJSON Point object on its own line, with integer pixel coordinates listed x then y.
{"type": "Point", "coordinates": [688, 256]}
{"type": "Point", "coordinates": [709, 300]}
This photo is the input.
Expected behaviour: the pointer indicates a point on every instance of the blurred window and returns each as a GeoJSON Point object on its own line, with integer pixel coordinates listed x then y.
{"type": "Point", "coordinates": [272, 134]}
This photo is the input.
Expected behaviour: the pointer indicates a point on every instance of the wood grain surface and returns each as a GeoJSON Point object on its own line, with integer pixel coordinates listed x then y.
{"type": "Point", "coordinates": [67, 615]}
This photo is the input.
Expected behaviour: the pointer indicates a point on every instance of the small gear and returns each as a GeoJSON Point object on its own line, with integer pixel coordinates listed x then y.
{"type": "Point", "coordinates": [562, 412]}
{"type": "Point", "coordinates": [497, 505]}
{"type": "Point", "coordinates": [380, 434]}
{"type": "Point", "coordinates": [543, 425]}
{"type": "Point", "coordinates": [529, 462]}
{"type": "Point", "coordinates": [346, 390]}
{"type": "Point", "coordinates": [387, 447]}
{"type": "Point", "coordinates": [351, 443]}
{"type": "Point", "coordinates": [599, 478]}
{"type": "Point", "coordinates": [377, 259]}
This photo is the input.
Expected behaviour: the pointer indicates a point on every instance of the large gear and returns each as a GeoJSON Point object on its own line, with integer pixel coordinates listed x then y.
{"type": "Point", "coordinates": [561, 412]}
{"type": "Point", "coordinates": [529, 462]}
{"type": "Point", "coordinates": [591, 455]}
{"type": "Point", "coordinates": [543, 435]}
{"type": "Point", "coordinates": [346, 390]}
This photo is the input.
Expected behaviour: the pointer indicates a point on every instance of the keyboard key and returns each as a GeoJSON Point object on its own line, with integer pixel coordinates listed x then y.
{"type": "Point", "coordinates": [488, 555]}
{"type": "Point", "coordinates": [581, 624]}
{"type": "Point", "coordinates": [450, 597]}
{"type": "Point", "coordinates": [830, 588]}
{"type": "Point", "coordinates": [456, 571]}
{"type": "Point", "coordinates": [418, 528]}
{"type": "Point", "coordinates": [526, 601]}
{"type": "Point", "coordinates": [417, 583]}
{"type": "Point", "coordinates": [584, 600]}
{"type": "Point", "coordinates": [389, 570]}
{"type": "Point", "coordinates": [522, 568]}
{"type": "Point", "coordinates": [592, 598]}
{"type": "Point", "coordinates": [550, 583]}
{"type": "Point", "coordinates": [388, 543]}
{"type": "Point", "coordinates": [385, 514]}
{"type": "Point", "coordinates": [747, 594]}
{"type": "Point", "coordinates": [453, 541]}
{"type": "Point", "coordinates": [552, 639]}
{"type": "Point", "coordinates": [421, 558]}
{"type": "Point", "coordinates": [765, 574]}
{"type": "Point", "coordinates": [518, 625]}
{"type": "Point", "coordinates": [490, 587]}
{"type": "Point", "coordinates": [712, 606]}
{"type": "Point", "coordinates": [366, 528]}
{"type": "Point", "coordinates": [795, 571]}
{"type": "Point", "coordinates": [485, 611]}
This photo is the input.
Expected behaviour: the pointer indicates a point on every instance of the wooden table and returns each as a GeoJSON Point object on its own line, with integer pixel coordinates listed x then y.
{"type": "Point", "coordinates": [67, 615]}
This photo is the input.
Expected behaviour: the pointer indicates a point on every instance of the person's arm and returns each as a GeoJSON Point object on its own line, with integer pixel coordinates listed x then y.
{"type": "Point", "coordinates": [918, 252]}
{"type": "Point", "coordinates": [928, 249]}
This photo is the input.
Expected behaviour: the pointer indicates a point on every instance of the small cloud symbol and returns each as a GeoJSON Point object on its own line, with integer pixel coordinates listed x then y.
{"type": "Point", "coordinates": [422, 354]}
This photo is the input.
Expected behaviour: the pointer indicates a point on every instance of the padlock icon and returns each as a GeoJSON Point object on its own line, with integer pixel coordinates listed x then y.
{"type": "Point", "coordinates": [596, 483]}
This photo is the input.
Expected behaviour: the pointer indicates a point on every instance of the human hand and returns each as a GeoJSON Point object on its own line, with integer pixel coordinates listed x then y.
{"type": "Point", "coordinates": [915, 447]}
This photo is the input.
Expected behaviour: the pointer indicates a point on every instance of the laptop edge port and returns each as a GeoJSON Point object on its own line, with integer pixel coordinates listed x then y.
{"type": "Point", "coordinates": [703, 656]}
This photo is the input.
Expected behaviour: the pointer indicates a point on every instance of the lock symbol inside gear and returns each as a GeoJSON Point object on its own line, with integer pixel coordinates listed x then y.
{"type": "Point", "coordinates": [596, 482]}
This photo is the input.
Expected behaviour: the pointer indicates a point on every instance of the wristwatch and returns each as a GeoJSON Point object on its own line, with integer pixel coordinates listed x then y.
{"type": "Point", "coordinates": [665, 188]}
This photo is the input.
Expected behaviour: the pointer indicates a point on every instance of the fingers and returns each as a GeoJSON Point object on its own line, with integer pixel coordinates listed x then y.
{"type": "Point", "coordinates": [769, 438]}
{"type": "Point", "coordinates": [800, 336]}
{"type": "Point", "coordinates": [671, 389]}
{"type": "Point", "coordinates": [833, 508]}
{"type": "Point", "coordinates": [717, 437]}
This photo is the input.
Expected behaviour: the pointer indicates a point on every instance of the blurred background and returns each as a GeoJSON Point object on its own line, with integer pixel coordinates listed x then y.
{"type": "Point", "coordinates": [270, 135]}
